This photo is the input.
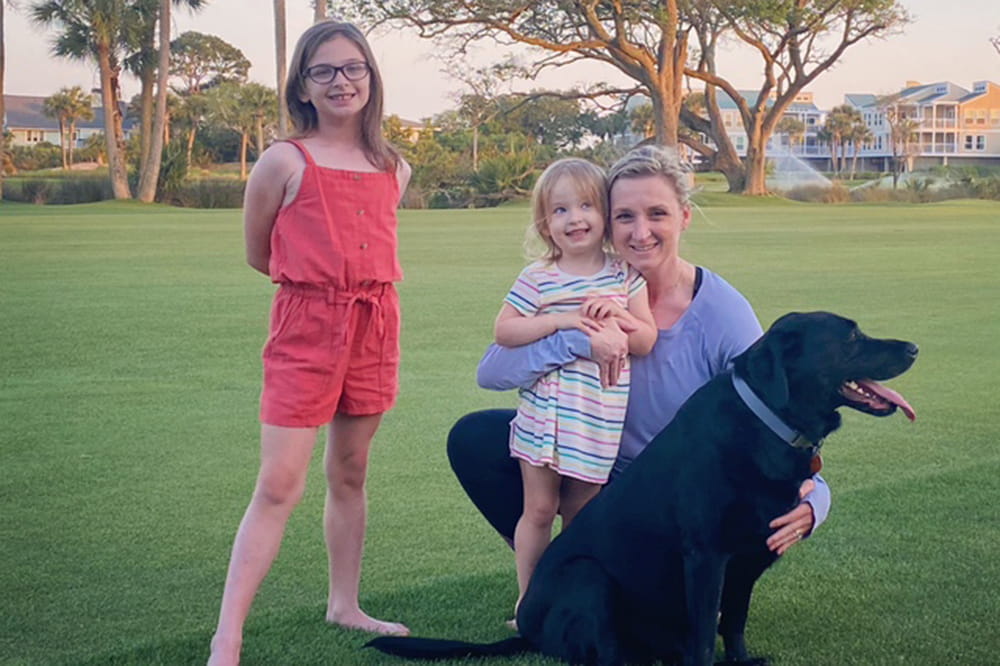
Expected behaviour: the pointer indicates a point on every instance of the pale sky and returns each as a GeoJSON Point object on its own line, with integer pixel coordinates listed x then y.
{"type": "Point", "coordinates": [948, 41]}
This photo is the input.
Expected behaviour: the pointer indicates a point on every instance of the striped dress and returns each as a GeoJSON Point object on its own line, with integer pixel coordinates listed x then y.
{"type": "Point", "coordinates": [566, 420]}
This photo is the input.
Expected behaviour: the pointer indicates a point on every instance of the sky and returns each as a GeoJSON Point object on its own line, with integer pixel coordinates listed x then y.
{"type": "Point", "coordinates": [948, 41]}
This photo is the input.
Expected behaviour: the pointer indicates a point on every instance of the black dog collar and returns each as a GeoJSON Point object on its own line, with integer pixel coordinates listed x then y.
{"type": "Point", "coordinates": [770, 419]}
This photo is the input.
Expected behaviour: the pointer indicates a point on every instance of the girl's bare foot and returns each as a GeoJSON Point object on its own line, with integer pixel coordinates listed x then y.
{"type": "Point", "coordinates": [224, 652]}
{"type": "Point", "coordinates": [358, 619]}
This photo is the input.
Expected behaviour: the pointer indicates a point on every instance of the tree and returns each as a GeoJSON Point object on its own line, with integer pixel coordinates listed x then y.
{"type": "Point", "coordinates": [648, 41]}
{"type": "Point", "coordinates": [793, 128]}
{"type": "Point", "coordinates": [96, 30]}
{"type": "Point", "coordinates": [642, 39]}
{"type": "Point", "coordinates": [858, 135]}
{"type": "Point", "coordinates": [839, 125]}
{"type": "Point", "coordinates": [68, 106]}
{"type": "Point", "coordinates": [202, 61]}
{"type": "Point", "coordinates": [281, 59]}
{"type": "Point", "coordinates": [901, 131]}
{"type": "Point", "coordinates": [142, 62]}
{"type": "Point", "coordinates": [797, 40]}
{"type": "Point", "coordinates": [244, 109]}
{"type": "Point", "coordinates": [642, 122]}
{"type": "Point", "coordinates": [150, 170]}
{"type": "Point", "coordinates": [319, 10]}
{"type": "Point", "coordinates": [995, 41]}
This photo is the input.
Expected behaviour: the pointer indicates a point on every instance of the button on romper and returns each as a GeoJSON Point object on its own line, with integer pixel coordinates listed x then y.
{"type": "Point", "coordinates": [333, 344]}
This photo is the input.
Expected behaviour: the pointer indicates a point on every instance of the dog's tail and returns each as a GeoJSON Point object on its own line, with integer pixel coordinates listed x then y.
{"type": "Point", "coordinates": [409, 647]}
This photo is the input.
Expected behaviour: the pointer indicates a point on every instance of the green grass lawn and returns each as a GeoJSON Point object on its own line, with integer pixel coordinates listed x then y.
{"type": "Point", "coordinates": [128, 436]}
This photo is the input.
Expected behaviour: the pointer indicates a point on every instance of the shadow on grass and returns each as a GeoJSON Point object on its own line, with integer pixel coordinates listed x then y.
{"type": "Point", "coordinates": [471, 607]}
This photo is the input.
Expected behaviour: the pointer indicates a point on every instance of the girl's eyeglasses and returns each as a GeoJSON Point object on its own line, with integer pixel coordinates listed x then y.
{"type": "Point", "coordinates": [353, 71]}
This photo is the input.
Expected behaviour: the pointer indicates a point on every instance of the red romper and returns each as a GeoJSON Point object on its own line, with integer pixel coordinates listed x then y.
{"type": "Point", "coordinates": [333, 344]}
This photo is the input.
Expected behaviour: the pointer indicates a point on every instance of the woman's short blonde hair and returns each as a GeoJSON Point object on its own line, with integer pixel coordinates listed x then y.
{"type": "Point", "coordinates": [651, 160]}
{"type": "Point", "coordinates": [590, 182]}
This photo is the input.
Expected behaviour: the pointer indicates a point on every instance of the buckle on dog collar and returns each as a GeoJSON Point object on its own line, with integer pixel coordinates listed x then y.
{"type": "Point", "coordinates": [793, 437]}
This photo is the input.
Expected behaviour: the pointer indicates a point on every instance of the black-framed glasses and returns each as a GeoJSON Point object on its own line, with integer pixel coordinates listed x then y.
{"type": "Point", "coordinates": [353, 71]}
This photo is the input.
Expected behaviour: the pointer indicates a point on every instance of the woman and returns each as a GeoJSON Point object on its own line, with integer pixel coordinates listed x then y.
{"type": "Point", "coordinates": [703, 324]}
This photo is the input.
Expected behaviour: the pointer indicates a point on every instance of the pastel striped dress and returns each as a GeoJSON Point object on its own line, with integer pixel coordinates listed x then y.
{"type": "Point", "coordinates": [566, 420]}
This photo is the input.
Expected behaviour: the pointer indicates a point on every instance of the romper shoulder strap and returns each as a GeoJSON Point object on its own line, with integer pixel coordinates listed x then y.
{"type": "Point", "coordinates": [302, 149]}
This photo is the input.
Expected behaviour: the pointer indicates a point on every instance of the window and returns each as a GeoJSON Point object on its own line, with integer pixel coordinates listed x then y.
{"type": "Point", "coordinates": [994, 117]}
{"type": "Point", "coordinates": [34, 136]}
{"type": "Point", "coordinates": [741, 142]}
{"type": "Point", "coordinates": [975, 142]}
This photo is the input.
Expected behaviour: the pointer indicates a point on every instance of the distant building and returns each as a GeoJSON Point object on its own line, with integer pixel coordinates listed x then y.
{"type": "Point", "coordinates": [953, 125]}
{"type": "Point", "coordinates": [24, 119]}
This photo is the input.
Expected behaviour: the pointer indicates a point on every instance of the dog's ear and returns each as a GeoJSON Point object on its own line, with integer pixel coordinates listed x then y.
{"type": "Point", "coordinates": [764, 369]}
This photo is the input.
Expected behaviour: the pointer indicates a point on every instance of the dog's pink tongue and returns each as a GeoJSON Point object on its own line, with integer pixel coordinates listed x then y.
{"type": "Point", "coordinates": [890, 395]}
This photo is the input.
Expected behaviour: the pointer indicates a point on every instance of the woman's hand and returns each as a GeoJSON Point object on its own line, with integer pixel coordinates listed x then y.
{"type": "Point", "coordinates": [794, 525]}
{"type": "Point", "coordinates": [608, 347]}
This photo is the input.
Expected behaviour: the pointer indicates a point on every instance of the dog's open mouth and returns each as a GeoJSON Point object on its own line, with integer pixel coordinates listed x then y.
{"type": "Point", "coordinates": [871, 397]}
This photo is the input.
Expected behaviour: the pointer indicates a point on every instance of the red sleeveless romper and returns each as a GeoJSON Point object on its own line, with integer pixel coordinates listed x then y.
{"type": "Point", "coordinates": [333, 344]}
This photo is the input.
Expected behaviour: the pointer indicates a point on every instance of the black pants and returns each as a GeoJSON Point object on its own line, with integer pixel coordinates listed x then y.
{"type": "Point", "coordinates": [480, 457]}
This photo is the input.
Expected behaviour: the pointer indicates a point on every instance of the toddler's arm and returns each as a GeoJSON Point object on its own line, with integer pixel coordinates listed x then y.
{"type": "Point", "coordinates": [513, 329]}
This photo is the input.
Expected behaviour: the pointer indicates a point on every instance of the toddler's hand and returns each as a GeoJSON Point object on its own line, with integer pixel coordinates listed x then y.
{"type": "Point", "coordinates": [601, 308]}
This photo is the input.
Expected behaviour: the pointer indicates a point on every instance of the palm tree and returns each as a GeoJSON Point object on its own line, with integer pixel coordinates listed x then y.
{"type": "Point", "coordinates": [68, 106]}
{"type": "Point", "coordinates": [281, 58]}
{"type": "Point", "coordinates": [319, 10]}
{"type": "Point", "coordinates": [858, 135]}
{"type": "Point", "coordinates": [244, 109]}
{"type": "Point", "coordinates": [793, 128]}
{"type": "Point", "coordinates": [3, 142]}
{"type": "Point", "coordinates": [150, 167]}
{"type": "Point", "coordinates": [838, 124]}
{"type": "Point", "coordinates": [143, 63]}
{"type": "Point", "coordinates": [96, 30]}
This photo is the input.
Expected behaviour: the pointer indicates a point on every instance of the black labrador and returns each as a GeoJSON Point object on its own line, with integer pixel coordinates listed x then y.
{"type": "Point", "coordinates": [644, 571]}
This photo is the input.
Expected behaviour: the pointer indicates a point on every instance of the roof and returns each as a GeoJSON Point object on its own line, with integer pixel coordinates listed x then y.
{"type": "Point", "coordinates": [861, 100]}
{"type": "Point", "coordinates": [25, 112]}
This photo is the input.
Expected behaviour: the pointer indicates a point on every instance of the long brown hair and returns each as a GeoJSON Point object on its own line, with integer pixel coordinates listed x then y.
{"type": "Point", "coordinates": [303, 114]}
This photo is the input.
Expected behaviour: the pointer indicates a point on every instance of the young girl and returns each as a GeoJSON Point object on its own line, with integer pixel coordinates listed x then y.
{"type": "Point", "coordinates": [568, 426]}
{"type": "Point", "coordinates": [320, 220]}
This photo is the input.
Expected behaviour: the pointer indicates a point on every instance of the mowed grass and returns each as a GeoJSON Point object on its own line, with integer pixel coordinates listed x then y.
{"type": "Point", "coordinates": [129, 379]}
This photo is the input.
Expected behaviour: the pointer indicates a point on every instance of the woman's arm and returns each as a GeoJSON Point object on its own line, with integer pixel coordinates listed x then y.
{"type": "Point", "coordinates": [504, 368]}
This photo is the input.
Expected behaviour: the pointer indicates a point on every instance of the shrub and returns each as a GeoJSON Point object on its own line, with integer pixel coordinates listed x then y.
{"type": "Point", "coordinates": [208, 193]}
{"type": "Point", "coordinates": [78, 189]}
{"type": "Point", "coordinates": [835, 193]}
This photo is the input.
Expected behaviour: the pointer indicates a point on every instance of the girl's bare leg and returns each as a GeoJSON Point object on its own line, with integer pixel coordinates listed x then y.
{"type": "Point", "coordinates": [574, 495]}
{"type": "Point", "coordinates": [534, 529]}
{"type": "Point", "coordinates": [284, 461]}
{"type": "Point", "coordinates": [346, 464]}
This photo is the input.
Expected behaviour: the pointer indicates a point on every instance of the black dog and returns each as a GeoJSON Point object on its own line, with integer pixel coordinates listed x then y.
{"type": "Point", "coordinates": [642, 573]}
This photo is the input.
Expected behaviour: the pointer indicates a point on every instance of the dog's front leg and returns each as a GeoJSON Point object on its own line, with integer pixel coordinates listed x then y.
{"type": "Point", "coordinates": [703, 575]}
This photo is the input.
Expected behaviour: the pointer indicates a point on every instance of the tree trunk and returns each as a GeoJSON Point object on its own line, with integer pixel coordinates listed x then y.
{"type": "Point", "coordinates": [731, 166]}
{"type": "Point", "coordinates": [63, 148]}
{"type": "Point", "coordinates": [475, 149]}
{"type": "Point", "coordinates": [113, 134]}
{"type": "Point", "coordinates": [190, 146]}
{"type": "Point", "coordinates": [148, 80]}
{"type": "Point", "coordinates": [72, 141]}
{"type": "Point", "coordinates": [260, 135]}
{"type": "Point", "coordinates": [244, 142]}
{"type": "Point", "coordinates": [756, 161]}
{"type": "Point", "coordinates": [319, 10]}
{"type": "Point", "coordinates": [151, 168]}
{"type": "Point", "coordinates": [280, 61]}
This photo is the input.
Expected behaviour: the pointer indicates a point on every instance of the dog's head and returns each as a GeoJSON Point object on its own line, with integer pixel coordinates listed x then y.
{"type": "Point", "coordinates": [809, 364]}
